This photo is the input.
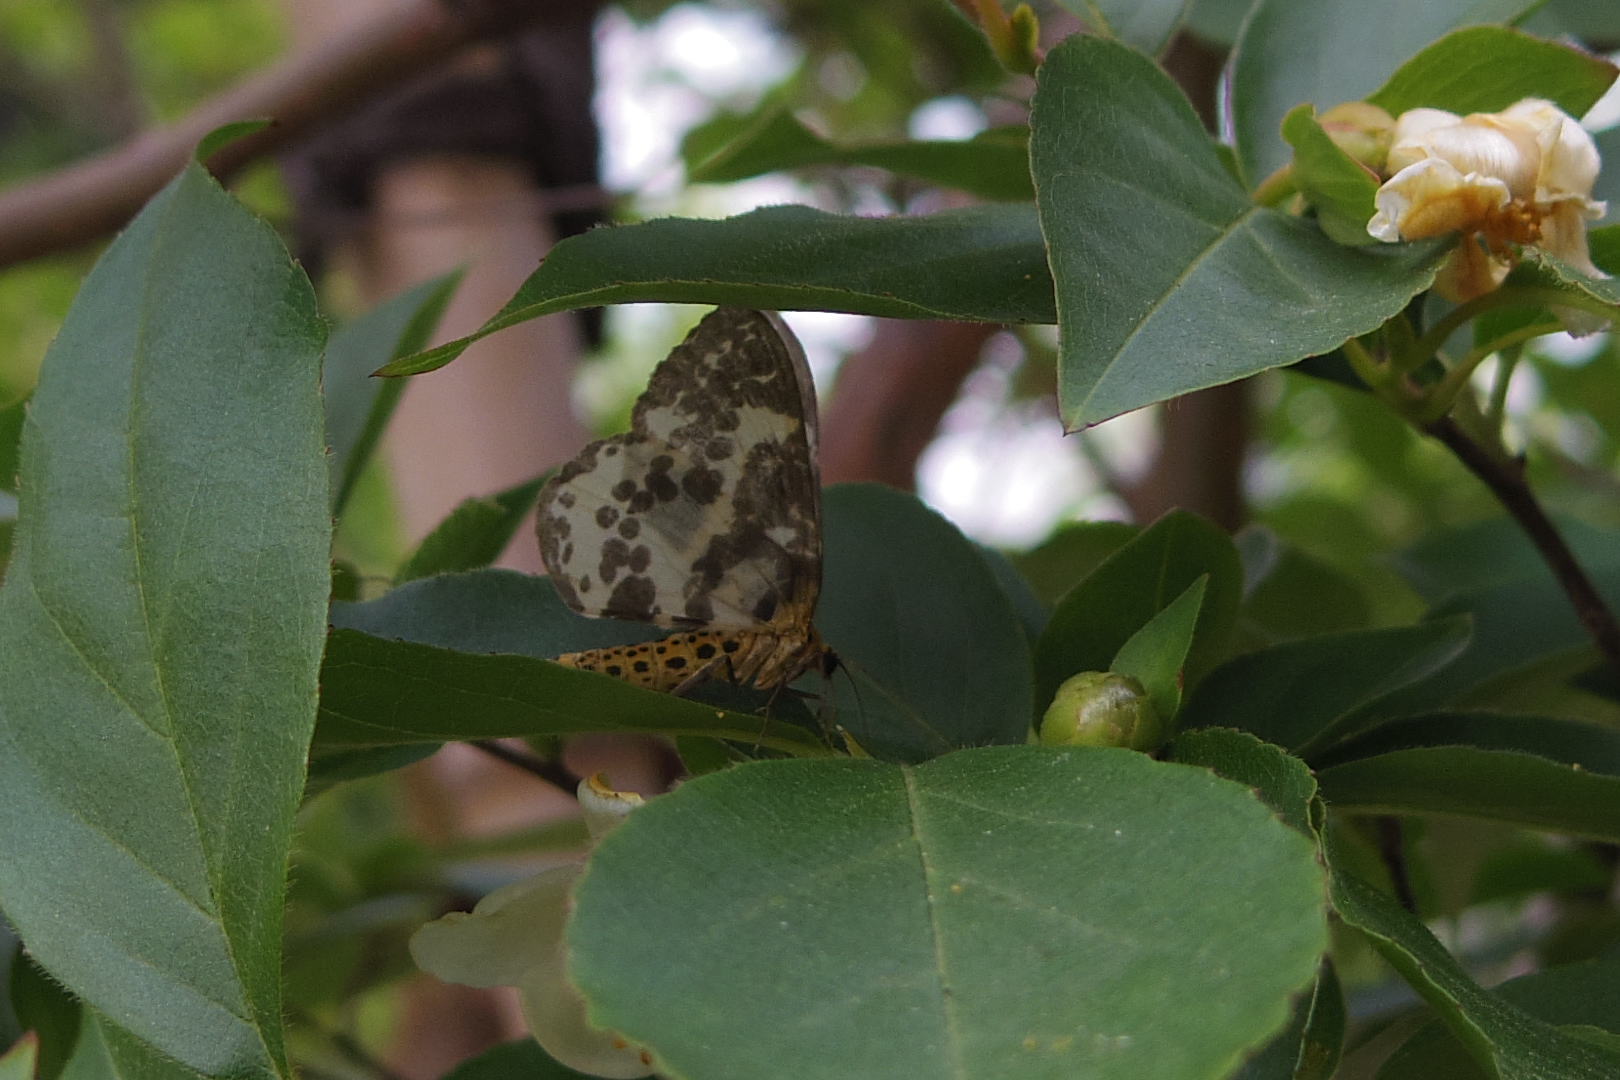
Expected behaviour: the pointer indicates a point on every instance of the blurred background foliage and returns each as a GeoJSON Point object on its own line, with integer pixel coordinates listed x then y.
{"type": "Point", "coordinates": [1327, 468]}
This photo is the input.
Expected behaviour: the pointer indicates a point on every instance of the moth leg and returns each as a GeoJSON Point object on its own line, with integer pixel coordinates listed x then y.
{"type": "Point", "coordinates": [692, 681]}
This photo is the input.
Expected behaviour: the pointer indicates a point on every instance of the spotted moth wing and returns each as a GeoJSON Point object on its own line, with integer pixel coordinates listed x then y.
{"type": "Point", "coordinates": [707, 513]}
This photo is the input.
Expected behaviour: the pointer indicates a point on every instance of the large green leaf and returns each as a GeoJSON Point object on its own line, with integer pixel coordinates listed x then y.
{"type": "Point", "coordinates": [1488, 68]}
{"type": "Point", "coordinates": [980, 263]}
{"type": "Point", "coordinates": [1276, 776]}
{"type": "Point", "coordinates": [378, 692]}
{"type": "Point", "coordinates": [1516, 625]}
{"type": "Point", "coordinates": [1351, 49]}
{"type": "Point", "coordinates": [487, 611]}
{"type": "Point", "coordinates": [1537, 771]}
{"type": "Point", "coordinates": [1156, 654]}
{"type": "Point", "coordinates": [993, 164]}
{"type": "Point", "coordinates": [1168, 278]}
{"type": "Point", "coordinates": [1586, 993]}
{"type": "Point", "coordinates": [1006, 912]}
{"type": "Point", "coordinates": [1510, 1041]}
{"type": "Point", "coordinates": [160, 633]}
{"type": "Point", "coordinates": [1098, 616]}
{"type": "Point", "coordinates": [1309, 1048]}
{"type": "Point", "coordinates": [1495, 551]}
{"type": "Point", "coordinates": [358, 407]}
{"type": "Point", "coordinates": [934, 653]}
{"type": "Point", "coordinates": [1306, 694]}
{"type": "Point", "coordinates": [458, 656]}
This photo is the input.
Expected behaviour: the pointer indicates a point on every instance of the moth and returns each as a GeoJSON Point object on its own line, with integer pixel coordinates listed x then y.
{"type": "Point", "coordinates": [704, 517]}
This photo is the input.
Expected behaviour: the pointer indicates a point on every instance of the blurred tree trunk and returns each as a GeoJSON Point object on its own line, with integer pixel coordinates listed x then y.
{"type": "Point", "coordinates": [1204, 436]}
{"type": "Point", "coordinates": [887, 403]}
{"type": "Point", "coordinates": [449, 172]}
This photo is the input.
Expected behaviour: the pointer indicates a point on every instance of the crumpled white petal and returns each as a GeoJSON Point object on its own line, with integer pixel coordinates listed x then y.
{"type": "Point", "coordinates": [1503, 181]}
{"type": "Point", "coordinates": [514, 937]}
{"type": "Point", "coordinates": [1431, 197]}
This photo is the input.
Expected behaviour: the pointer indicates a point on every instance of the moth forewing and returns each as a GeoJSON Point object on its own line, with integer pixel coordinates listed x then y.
{"type": "Point", "coordinates": [706, 515]}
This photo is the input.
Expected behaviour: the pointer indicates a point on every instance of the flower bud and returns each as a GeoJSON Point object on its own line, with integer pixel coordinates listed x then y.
{"type": "Point", "coordinates": [1360, 129]}
{"type": "Point", "coordinates": [1101, 708]}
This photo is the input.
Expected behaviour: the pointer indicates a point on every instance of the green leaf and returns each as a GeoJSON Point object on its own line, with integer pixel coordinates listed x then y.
{"type": "Point", "coordinates": [487, 611]}
{"type": "Point", "coordinates": [520, 1060]}
{"type": "Point", "coordinates": [1289, 593]}
{"type": "Point", "coordinates": [977, 264]}
{"type": "Point", "coordinates": [1309, 1048]}
{"type": "Point", "coordinates": [1217, 21]}
{"type": "Point", "coordinates": [1155, 655]}
{"type": "Point", "coordinates": [474, 535]}
{"type": "Point", "coordinates": [359, 407]}
{"type": "Point", "coordinates": [1168, 278]}
{"type": "Point", "coordinates": [1488, 68]}
{"type": "Point", "coordinates": [1494, 552]}
{"type": "Point", "coordinates": [11, 425]}
{"type": "Point", "coordinates": [1029, 608]}
{"type": "Point", "coordinates": [1308, 694]}
{"type": "Point", "coordinates": [1538, 771]}
{"type": "Point", "coordinates": [1585, 993]}
{"type": "Point", "coordinates": [993, 164]}
{"type": "Point", "coordinates": [226, 134]}
{"type": "Point", "coordinates": [1145, 25]}
{"type": "Point", "coordinates": [1096, 617]}
{"type": "Point", "coordinates": [934, 654]}
{"type": "Point", "coordinates": [1351, 49]}
{"type": "Point", "coordinates": [1279, 778]}
{"type": "Point", "coordinates": [160, 632]}
{"type": "Point", "coordinates": [1516, 625]}
{"type": "Point", "coordinates": [1511, 1041]}
{"type": "Point", "coordinates": [47, 1010]}
{"type": "Point", "coordinates": [1525, 865]}
{"type": "Point", "coordinates": [377, 692]}
{"type": "Point", "coordinates": [1340, 188]}
{"type": "Point", "coordinates": [18, 1062]}
{"type": "Point", "coordinates": [1062, 560]}
{"type": "Point", "coordinates": [1035, 910]}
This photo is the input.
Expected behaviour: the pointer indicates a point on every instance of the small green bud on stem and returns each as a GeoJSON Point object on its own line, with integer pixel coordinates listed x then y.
{"type": "Point", "coordinates": [1100, 708]}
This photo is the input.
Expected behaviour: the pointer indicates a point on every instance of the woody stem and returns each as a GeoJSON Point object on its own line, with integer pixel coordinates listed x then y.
{"type": "Point", "coordinates": [1507, 482]}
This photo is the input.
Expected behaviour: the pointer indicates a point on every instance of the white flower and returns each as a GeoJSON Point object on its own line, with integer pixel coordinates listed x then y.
{"type": "Point", "coordinates": [1518, 178]}
{"type": "Point", "coordinates": [514, 937]}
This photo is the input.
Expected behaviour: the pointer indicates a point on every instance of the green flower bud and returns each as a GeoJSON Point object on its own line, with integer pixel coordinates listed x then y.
{"type": "Point", "coordinates": [1362, 130]}
{"type": "Point", "coordinates": [1100, 708]}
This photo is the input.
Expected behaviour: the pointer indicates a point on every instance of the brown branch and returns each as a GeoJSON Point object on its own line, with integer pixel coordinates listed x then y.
{"type": "Point", "coordinates": [1506, 481]}
{"type": "Point", "coordinates": [86, 201]}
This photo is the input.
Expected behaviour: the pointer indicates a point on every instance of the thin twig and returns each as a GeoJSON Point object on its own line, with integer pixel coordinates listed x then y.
{"type": "Point", "coordinates": [299, 94]}
{"type": "Point", "coordinates": [552, 772]}
{"type": "Point", "coordinates": [1506, 481]}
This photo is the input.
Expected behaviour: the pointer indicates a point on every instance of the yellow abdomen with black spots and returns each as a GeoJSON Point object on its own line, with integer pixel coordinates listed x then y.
{"type": "Point", "coordinates": [761, 658]}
